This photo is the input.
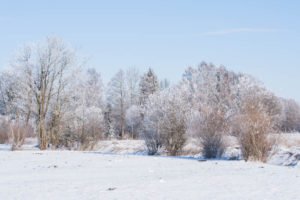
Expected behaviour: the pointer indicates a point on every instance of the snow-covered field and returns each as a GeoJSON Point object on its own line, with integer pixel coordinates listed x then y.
{"type": "Point", "coordinates": [90, 175]}
{"type": "Point", "coordinates": [120, 169]}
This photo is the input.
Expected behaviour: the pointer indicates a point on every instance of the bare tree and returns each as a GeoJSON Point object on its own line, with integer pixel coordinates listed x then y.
{"type": "Point", "coordinates": [132, 115]}
{"type": "Point", "coordinates": [117, 95]}
{"type": "Point", "coordinates": [47, 67]}
{"type": "Point", "coordinates": [132, 81]}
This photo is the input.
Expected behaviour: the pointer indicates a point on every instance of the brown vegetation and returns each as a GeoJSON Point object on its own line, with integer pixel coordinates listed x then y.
{"type": "Point", "coordinates": [255, 125]}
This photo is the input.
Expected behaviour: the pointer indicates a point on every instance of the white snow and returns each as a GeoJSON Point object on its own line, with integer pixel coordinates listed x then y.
{"type": "Point", "coordinates": [286, 157]}
{"type": "Point", "coordinates": [121, 146]}
{"type": "Point", "coordinates": [289, 140]}
{"type": "Point", "coordinates": [120, 169]}
{"type": "Point", "coordinates": [91, 175]}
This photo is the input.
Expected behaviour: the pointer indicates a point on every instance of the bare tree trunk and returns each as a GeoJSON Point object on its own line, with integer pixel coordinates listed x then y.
{"type": "Point", "coordinates": [43, 143]}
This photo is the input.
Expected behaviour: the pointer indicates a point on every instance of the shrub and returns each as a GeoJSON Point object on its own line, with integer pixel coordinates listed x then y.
{"type": "Point", "coordinates": [174, 130]}
{"type": "Point", "coordinates": [165, 130]}
{"type": "Point", "coordinates": [153, 141]}
{"type": "Point", "coordinates": [165, 116]}
{"type": "Point", "coordinates": [209, 127]}
{"type": "Point", "coordinates": [4, 131]}
{"type": "Point", "coordinates": [83, 130]}
{"type": "Point", "coordinates": [14, 132]}
{"type": "Point", "coordinates": [19, 132]}
{"type": "Point", "coordinates": [255, 126]}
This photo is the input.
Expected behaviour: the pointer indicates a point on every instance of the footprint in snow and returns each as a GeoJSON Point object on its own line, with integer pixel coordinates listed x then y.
{"type": "Point", "coordinates": [111, 189]}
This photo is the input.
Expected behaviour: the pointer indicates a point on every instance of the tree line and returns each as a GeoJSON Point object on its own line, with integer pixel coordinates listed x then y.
{"type": "Point", "coordinates": [46, 93]}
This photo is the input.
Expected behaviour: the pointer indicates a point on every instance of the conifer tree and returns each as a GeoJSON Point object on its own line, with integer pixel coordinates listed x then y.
{"type": "Point", "coordinates": [149, 85]}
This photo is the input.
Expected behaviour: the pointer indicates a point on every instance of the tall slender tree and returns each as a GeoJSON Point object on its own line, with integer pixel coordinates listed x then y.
{"type": "Point", "coordinates": [149, 85]}
{"type": "Point", "coordinates": [132, 82]}
{"type": "Point", "coordinates": [109, 122]}
{"type": "Point", "coordinates": [117, 95]}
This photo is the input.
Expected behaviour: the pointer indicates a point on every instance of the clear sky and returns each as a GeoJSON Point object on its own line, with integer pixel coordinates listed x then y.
{"type": "Point", "coordinates": [258, 37]}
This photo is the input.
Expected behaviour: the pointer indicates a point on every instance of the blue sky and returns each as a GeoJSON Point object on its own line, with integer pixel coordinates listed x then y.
{"type": "Point", "coordinates": [258, 37]}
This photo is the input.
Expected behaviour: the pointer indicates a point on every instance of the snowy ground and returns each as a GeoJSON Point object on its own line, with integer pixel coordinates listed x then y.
{"type": "Point", "coordinates": [119, 169]}
{"type": "Point", "coordinates": [122, 147]}
{"type": "Point", "coordinates": [87, 175]}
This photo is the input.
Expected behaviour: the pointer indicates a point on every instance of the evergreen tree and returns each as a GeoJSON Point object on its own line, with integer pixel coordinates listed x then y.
{"type": "Point", "coordinates": [149, 85]}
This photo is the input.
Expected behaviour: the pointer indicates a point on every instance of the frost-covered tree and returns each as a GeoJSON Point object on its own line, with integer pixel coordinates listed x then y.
{"type": "Point", "coordinates": [14, 108]}
{"type": "Point", "coordinates": [2, 108]}
{"type": "Point", "coordinates": [267, 99]}
{"type": "Point", "coordinates": [132, 83]}
{"type": "Point", "coordinates": [86, 127]}
{"type": "Point", "coordinates": [109, 122]}
{"type": "Point", "coordinates": [85, 123]}
{"type": "Point", "coordinates": [149, 85]}
{"type": "Point", "coordinates": [94, 89]}
{"type": "Point", "coordinates": [117, 95]}
{"type": "Point", "coordinates": [44, 70]}
{"type": "Point", "coordinates": [3, 94]}
{"type": "Point", "coordinates": [290, 119]}
{"type": "Point", "coordinates": [214, 93]}
{"type": "Point", "coordinates": [165, 121]}
{"type": "Point", "coordinates": [133, 117]}
{"type": "Point", "coordinates": [211, 86]}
